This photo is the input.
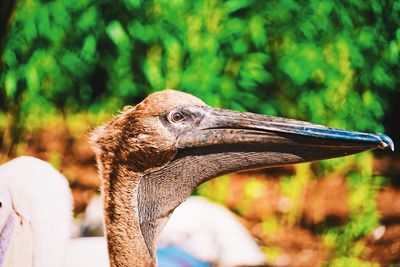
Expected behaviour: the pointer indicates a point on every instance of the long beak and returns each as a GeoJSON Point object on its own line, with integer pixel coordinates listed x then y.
{"type": "Point", "coordinates": [306, 141]}
{"type": "Point", "coordinates": [224, 141]}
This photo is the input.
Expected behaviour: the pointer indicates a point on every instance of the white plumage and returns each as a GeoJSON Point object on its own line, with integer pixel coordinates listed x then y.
{"type": "Point", "coordinates": [41, 203]}
{"type": "Point", "coordinates": [211, 233]}
{"type": "Point", "coordinates": [86, 252]}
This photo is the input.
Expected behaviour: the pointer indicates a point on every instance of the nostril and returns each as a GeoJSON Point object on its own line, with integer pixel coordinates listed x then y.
{"type": "Point", "coordinates": [1, 204]}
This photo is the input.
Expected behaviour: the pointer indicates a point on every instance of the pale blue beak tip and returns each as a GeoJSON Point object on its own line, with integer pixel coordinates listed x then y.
{"type": "Point", "coordinates": [386, 141]}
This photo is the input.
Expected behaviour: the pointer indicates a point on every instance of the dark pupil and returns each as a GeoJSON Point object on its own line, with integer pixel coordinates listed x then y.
{"type": "Point", "coordinates": [177, 117]}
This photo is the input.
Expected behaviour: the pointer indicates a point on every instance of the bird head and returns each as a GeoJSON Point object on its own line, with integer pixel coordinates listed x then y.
{"type": "Point", "coordinates": [145, 136]}
{"type": "Point", "coordinates": [168, 124]}
{"type": "Point", "coordinates": [177, 142]}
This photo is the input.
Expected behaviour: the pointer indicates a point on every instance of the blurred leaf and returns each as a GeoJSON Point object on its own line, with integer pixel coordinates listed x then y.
{"type": "Point", "coordinates": [117, 33]}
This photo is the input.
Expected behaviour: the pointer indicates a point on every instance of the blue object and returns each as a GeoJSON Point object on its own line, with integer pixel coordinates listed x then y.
{"type": "Point", "coordinates": [171, 256]}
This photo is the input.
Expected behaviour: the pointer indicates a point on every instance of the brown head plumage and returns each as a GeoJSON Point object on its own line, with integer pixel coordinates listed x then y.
{"type": "Point", "coordinates": [137, 133]}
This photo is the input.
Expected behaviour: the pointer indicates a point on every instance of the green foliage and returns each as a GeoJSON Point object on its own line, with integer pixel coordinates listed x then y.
{"type": "Point", "coordinates": [294, 189]}
{"type": "Point", "coordinates": [363, 219]}
{"type": "Point", "coordinates": [351, 261]}
{"type": "Point", "coordinates": [216, 190]}
{"type": "Point", "coordinates": [321, 61]}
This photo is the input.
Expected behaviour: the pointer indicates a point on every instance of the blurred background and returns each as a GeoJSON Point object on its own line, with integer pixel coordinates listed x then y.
{"type": "Point", "coordinates": [67, 66]}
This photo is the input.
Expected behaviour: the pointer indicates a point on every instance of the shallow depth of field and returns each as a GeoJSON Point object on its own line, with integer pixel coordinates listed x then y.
{"type": "Point", "coordinates": [67, 66]}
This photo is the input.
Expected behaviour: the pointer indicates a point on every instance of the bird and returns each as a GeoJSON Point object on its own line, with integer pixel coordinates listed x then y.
{"type": "Point", "coordinates": [36, 217]}
{"type": "Point", "coordinates": [151, 157]}
{"type": "Point", "coordinates": [35, 214]}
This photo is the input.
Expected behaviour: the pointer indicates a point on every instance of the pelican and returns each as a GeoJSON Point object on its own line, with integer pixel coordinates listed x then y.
{"type": "Point", "coordinates": [152, 156]}
{"type": "Point", "coordinates": [35, 214]}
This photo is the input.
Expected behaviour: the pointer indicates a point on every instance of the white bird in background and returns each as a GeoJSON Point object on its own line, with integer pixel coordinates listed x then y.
{"type": "Point", "coordinates": [36, 219]}
{"type": "Point", "coordinates": [35, 213]}
{"type": "Point", "coordinates": [207, 231]}
{"type": "Point", "coordinates": [211, 233]}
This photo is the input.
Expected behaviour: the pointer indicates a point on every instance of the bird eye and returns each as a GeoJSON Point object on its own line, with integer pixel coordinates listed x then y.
{"type": "Point", "coordinates": [177, 116]}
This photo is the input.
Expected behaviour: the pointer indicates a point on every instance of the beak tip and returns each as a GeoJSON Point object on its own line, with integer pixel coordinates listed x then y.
{"type": "Point", "coordinates": [386, 141]}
